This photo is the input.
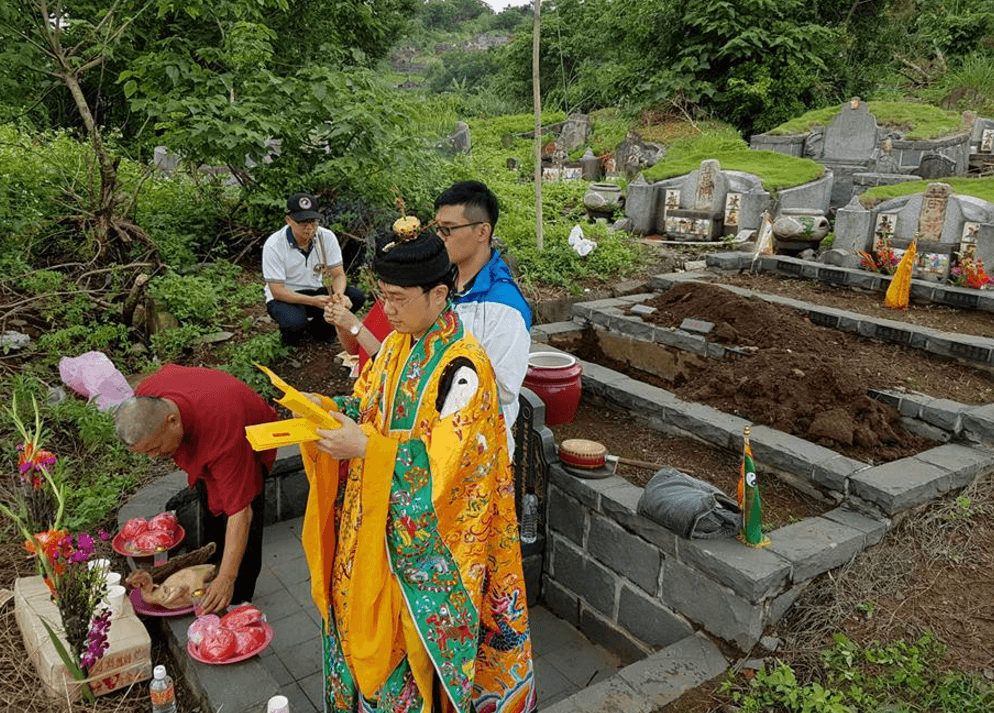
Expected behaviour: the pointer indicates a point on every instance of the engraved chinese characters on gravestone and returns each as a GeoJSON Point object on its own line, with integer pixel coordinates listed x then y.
{"type": "Point", "coordinates": [933, 212]}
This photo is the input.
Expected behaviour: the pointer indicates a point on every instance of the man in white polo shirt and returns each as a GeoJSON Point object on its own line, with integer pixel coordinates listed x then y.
{"type": "Point", "coordinates": [298, 261]}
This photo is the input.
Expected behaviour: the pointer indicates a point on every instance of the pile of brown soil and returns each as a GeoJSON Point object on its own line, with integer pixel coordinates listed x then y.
{"type": "Point", "coordinates": [807, 380]}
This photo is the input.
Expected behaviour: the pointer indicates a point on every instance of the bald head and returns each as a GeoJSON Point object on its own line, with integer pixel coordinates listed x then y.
{"type": "Point", "coordinates": [141, 417]}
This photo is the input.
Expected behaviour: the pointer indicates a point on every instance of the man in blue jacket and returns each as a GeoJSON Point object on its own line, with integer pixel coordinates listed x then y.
{"type": "Point", "coordinates": [487, 299]}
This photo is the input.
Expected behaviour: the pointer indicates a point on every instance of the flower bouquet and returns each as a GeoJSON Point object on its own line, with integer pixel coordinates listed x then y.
{"type": "Point", "coordinates": [969, 272]}
{"type": "Point", "coordinates": [36, 505]}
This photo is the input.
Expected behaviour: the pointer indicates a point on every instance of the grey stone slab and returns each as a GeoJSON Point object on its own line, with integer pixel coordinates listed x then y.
{"type": "Point", "coordinates": [276, 668]}
{"type": "Point", "coordinates": [679, 339]}
{"type": "Point", "coordinates": [566, 515]}
{"type": "Point", "coordinates": [712, 605]}
{"type": "Point", "coordinates": [623, 552]}
{"type": "Point", "coordinates": [580, 664]}
{"type": "Point", "coordinates": [579, 574]}
{"type": "Point", "coordinates": [783, 451]}
{"type": "Point", "coordinates": [834, 473]}
{"type": "Point", "coordinates": [631, 288]}
{"type": "Point", "coordinates": [561, 601]}
{"type": "Point", "coordinates": [963, 462]}
{"type": "Point", "coordinates": [902, 484]}
{"type": "Point", "coordinates": [595, 374]}
{"type": "Point", "coordinates": [550, 682]}
{"type": "Point", "coordinates": [815, 545]}
{"type": "Point", "coordinates": [302, 659]}
{"type": "Point", "coordinates": [614, 695]}
{"type": "Point", "coordinates": [558, 329]}
{"type": "Point", "coordinates": [600, 305]}
{"type": "Point", "coordinates": [943, 413]}
{"type": "Point", "coordinates": [276, 605]}
{"type": "Point", "coordinates": [925, 430]}
{"type": "Point", "coordinates": [587, 491]}
{"type": "Point", "coordinates": [267, 582]}
{"type": "Point", "coordinates": [728, 261]}
{"type": "Point", "coordinates": [550, 632]}
{"type": "Point", "coordinates": [563, 706]}
{"type": "Point", "coordinates": [291, 631]}
{"type": "Point", "coordinates": [298, 700]}
{"type": "Point", "coordinates": [665, 675]}
{"type": "Point", "coordinates": [912, 405]}
{"type": "Point", "coordinates": [891, 398]}
{"type": "Point", "coordinates": [754, 574]}
{"type": "Point", "coordinates": [313, 688]}
{"type": "Point", "coordinates": [978, 424]}
{"type": "Point", "coordinates": [780, 605]}
{"type": "Point", "coordinates": [621, 499]}
{"type": "Point", "coordinates": [873, 528]}
{"type": "Point", "coordinates": [706, 423]}
{"type": "Point", "coordinates": [649, 620]}
{"type": "Point", "coordinates": [616, 642]}
{"type": "Point", "coordinates": [291, 570]}
{"type": "Point", "coordinates": [624, 513]}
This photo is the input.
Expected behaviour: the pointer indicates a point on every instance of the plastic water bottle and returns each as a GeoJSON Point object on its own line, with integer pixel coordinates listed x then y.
{"type": "Point", "coordinates": [529, 518]}
{"type": "Point", "coordinates": [162, 692]}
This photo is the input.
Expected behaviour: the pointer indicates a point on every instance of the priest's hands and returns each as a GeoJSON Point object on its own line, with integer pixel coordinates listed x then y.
{"type": "Point", "coordinates": [343, 443]}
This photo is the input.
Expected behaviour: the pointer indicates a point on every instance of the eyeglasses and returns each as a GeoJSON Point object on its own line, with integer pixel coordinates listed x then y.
{"type": "Point", "coordinates": [383, 298]}
{"type": "Point", "coordinates": [446, 230]}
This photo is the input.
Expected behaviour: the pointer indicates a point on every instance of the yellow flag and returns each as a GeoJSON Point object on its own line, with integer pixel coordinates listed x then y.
{"type": "Point", "coordinates": [899, 291]}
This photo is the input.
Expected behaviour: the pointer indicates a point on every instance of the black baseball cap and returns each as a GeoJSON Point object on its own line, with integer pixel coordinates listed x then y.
{"type": "Point", "coordinates": [302, 207]}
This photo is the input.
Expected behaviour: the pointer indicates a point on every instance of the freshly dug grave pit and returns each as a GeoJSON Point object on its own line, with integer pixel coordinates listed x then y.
{"type": "Point", "coordinates": [805, 380]}
{"type": "Point", "coordinates": [624, 436]}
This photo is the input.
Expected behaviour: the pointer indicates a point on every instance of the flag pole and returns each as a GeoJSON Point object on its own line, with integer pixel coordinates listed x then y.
{"type": "Point", "coordinates": [752, 507]}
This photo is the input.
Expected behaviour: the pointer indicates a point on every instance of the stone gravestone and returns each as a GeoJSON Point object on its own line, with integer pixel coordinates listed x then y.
{"type": "Point", "coordinates": [933, 212]}
{"type": "Point", "coordinates": [852, 135]}
{"type": "Point", "coordinates": [712, 186]}
{"type": "Point", "coordinates": [634, 154]}
{"type": "Point", "coordinates": [574, 132]}
{"type": "Point", "coordinates": [640, 206]}
{"type": "Point", "coordinates": [703, 220]}
{"type": "Point", "coordinates": [459, 140]}
{"type": "Point", "coordinates": [935, 166]}
{"type": "Point", "coordinates": [853, 227]}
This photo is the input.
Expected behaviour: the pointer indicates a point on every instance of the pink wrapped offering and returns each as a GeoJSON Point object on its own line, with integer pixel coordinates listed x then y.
{"type": "Point", "coordinates": [151, 540]}
{"type": "Point", "coordinates": [163, 521]}
{"type": "Point", "coordinates": [134, 527]}
{"type": "Point", "coordinates": [242, 616]}
{"type": "Point", "coordinates": [201, 627]}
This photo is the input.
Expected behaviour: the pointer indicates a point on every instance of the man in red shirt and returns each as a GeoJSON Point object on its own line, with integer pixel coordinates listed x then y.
{"type": "Point", "coordinates": [198, 417]}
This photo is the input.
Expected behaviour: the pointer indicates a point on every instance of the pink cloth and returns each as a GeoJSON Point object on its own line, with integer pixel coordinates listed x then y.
{"type": "Point", "coordinates": [93, 375]}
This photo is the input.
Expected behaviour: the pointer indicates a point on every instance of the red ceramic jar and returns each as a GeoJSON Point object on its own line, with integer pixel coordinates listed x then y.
{"type": "Point", "coordinates": [555, 378]}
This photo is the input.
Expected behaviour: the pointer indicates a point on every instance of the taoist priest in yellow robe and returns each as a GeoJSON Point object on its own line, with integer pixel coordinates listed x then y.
{"type": "Point", "coordinates": [410, 531]}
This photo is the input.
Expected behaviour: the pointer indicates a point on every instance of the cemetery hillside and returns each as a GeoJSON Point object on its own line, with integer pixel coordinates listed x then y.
{"type": "Point", "coordinates": [754, 231]}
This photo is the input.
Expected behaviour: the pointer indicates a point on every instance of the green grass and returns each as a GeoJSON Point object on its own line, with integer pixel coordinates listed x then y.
{"type": "Point", "coordinates": [775, 170]}
{"type": "Point", "coordinates": [920, 121]}
{"type": "Point", "coordinates": [982, 188]}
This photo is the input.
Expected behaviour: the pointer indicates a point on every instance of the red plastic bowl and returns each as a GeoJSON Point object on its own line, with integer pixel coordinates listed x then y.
{"type": "Point", "coordinates": [191, 649]}
{"type": "Point", "coordinates": [118, 544]}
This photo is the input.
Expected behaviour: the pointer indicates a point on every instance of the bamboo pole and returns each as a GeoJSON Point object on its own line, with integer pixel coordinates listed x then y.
{"type": "Point", "coordinates": [537, 102]}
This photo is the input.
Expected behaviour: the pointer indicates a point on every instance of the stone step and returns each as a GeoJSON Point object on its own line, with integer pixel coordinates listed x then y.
{"type": "Point", "coordinates": [651, 683]}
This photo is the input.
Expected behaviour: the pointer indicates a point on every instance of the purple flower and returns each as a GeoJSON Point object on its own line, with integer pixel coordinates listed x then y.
{"type": "Point", "coordinates": [85, 543]}
{"type": "Point", "coordinates": [96, 640]}
{"type": "Point", "coordinates": [104, 535]}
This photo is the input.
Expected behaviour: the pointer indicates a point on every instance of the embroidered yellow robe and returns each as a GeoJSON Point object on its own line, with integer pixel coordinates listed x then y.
{"type": "Point", "coordinates": [413, 550]}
